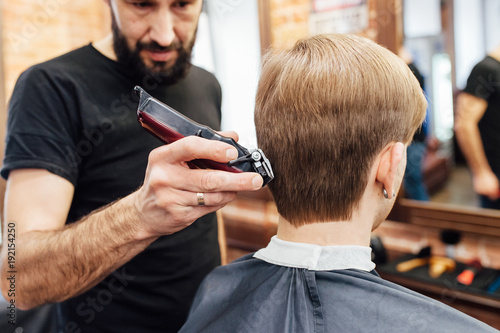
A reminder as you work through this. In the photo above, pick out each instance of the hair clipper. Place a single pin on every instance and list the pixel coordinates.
(169, 125)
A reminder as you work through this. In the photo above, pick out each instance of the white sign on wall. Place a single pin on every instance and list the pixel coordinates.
(338, 16)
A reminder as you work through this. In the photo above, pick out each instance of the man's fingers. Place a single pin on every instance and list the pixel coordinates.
(217, 181)
(192, 148)
(187, 199)
(177, 154)
(231, 134)
(208, 199)
(173, 192)
(208, 181)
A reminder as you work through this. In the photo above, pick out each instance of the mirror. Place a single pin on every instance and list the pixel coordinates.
(444, 50)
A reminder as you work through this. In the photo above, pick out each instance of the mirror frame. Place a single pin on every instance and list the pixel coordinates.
(473, 220)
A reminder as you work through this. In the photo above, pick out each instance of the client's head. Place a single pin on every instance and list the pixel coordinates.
(326, 109)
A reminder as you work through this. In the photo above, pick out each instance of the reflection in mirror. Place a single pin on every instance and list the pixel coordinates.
(444, 50)
(424, 40)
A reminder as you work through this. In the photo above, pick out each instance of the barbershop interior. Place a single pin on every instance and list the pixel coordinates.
(438, 240)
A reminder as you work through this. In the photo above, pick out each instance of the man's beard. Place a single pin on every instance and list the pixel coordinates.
(159, 70)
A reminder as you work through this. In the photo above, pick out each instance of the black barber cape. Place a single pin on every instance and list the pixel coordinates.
(296, 287)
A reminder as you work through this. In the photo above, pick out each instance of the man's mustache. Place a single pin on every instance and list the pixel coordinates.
(155, 47)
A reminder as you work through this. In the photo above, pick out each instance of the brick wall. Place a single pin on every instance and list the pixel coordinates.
(37, 30)
(289, 21)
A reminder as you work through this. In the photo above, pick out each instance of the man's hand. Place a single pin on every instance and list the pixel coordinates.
(167, 202)
(487, 184)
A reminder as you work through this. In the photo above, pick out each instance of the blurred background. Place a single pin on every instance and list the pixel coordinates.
(444, 39)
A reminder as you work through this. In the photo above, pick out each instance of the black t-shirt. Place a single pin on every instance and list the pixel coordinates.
(75, 116)
(484, 82)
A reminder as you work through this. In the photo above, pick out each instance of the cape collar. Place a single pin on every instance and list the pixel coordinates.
(316, 257)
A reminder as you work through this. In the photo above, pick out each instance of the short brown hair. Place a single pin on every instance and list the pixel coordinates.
(324, 109)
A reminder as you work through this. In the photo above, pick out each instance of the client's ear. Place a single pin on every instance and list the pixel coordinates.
(390, 159)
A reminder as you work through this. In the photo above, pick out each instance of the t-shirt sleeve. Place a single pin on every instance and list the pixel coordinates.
(481, 81)
(42, 127)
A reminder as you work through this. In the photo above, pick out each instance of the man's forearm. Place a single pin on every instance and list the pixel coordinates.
(469, 139)
(55, 265)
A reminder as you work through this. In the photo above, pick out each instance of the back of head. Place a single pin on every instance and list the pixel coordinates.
(324, 109)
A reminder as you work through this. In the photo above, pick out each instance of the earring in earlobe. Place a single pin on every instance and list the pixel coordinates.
(386, 195)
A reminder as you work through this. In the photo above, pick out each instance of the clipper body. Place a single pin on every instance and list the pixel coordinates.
(168, 125)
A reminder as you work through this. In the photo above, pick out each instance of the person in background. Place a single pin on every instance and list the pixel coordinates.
(477, 128)
(103, 213)
(334, 114)
(413, 184)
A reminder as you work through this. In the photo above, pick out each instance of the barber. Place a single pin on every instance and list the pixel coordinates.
(477, 128)
(109, 223)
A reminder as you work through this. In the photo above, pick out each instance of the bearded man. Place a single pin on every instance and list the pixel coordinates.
(103, 214)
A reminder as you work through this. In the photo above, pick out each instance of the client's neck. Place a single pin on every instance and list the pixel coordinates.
(354, 232)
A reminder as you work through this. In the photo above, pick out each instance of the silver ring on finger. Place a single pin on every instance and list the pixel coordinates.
(201, 199)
